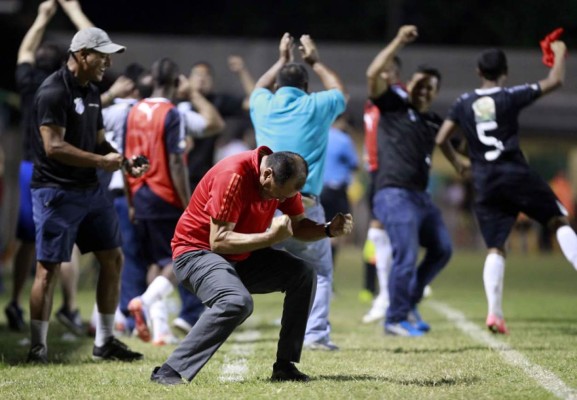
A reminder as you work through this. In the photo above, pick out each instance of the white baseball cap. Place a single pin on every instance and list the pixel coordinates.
(94, 39)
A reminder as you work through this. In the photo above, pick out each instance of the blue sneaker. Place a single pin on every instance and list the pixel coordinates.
(415, 318)
(402, 328)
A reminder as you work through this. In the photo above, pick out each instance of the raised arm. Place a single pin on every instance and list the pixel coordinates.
(74, 11)
(33, 37)
(310, 55)
(377, 81)
(556, 75)
(214, 121)
(285, 55)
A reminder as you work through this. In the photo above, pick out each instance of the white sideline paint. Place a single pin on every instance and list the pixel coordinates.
(235, 365)
(545, 378)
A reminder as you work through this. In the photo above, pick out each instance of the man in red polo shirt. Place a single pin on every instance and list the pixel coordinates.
(222, 253)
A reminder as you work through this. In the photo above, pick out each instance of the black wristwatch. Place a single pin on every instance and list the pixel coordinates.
(328, 230)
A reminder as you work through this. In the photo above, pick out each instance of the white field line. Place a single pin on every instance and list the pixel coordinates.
(545, 378)
(235, 365)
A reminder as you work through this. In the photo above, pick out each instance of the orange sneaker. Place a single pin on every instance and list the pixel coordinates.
(496, 324)
(138, 312)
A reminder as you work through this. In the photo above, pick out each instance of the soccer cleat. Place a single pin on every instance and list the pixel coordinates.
(139, 313)
(15, 317)
(166, 376)
(402, 328)
(181, 325)
(114, 350)
(322, 346)
(286, 372)
(71, 320)
(414, 318)
(38, 354)
(496, 324)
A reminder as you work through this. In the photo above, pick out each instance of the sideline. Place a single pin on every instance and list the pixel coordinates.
(545, 378)
(235, 365)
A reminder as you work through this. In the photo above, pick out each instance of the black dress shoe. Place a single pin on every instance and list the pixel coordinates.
(287, 372)
(166, 376)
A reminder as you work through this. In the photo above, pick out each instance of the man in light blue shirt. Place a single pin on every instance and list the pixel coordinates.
(287, 118)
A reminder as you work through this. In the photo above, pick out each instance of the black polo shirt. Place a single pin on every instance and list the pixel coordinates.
(405, 142)
(61, 101)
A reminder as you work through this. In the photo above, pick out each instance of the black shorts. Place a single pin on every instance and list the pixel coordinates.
(154, 237)
(335, 201)
(502, 192)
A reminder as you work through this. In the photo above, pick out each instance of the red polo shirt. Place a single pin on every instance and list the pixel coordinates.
(230, 191)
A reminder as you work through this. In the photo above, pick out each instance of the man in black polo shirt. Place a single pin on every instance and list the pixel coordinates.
(69, 205)
(404, 149)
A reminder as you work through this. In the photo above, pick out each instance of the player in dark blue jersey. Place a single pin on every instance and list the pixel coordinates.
(503, 182)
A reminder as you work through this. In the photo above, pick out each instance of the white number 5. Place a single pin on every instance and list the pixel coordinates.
(482, 129)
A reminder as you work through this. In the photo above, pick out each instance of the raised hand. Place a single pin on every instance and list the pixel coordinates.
(308, 50)
(47, 8)
(407, 33)
(286, 47)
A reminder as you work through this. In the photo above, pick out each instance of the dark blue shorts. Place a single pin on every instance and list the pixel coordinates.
(502, 193)
(154, 237)
(25, 230)
(66, 216)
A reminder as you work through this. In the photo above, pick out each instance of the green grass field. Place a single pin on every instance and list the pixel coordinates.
(456, 360)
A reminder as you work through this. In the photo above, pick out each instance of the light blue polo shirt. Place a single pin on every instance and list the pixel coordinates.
(293, 120)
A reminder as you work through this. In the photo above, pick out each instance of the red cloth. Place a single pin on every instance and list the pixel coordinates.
(548, 56)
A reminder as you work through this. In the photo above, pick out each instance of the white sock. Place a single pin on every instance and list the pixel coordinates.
(493, 277)
(38, 332)
(383, 256)
(94, 317)
(158, 289)
(159, 318)
(568, 242)
(104, 328)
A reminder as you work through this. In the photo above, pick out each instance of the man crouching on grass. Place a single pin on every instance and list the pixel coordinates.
(222, 253)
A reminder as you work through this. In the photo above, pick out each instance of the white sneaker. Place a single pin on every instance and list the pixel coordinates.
(377, 311)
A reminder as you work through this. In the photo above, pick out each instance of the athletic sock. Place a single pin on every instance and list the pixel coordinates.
(159, 318)
(383, 258)
(158, 289)
(104, 328)
(38, 332)
(568, 242)
(493, 277)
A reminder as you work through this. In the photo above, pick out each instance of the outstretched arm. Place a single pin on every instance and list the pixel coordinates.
(33, 37)
(74, 11)
(556, 75)
(285, 56)
(310, 55)
(376, 72)
(236, 65)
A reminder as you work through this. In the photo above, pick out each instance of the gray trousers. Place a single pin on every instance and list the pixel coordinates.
(226, 289)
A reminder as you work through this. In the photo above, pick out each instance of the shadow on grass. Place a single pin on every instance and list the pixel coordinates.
(421, 382)
(14, 347)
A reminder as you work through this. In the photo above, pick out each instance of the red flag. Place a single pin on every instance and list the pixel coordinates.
(548, 56)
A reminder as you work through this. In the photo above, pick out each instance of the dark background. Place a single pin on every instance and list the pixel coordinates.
(507, 23)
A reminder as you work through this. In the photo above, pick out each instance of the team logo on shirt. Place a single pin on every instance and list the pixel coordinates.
(78, 106)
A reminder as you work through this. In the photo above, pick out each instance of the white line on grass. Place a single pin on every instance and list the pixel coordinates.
(235, 365)
(542, 376)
